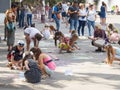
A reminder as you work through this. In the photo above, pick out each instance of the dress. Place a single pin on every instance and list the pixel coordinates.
(34, 74)
(103, 12)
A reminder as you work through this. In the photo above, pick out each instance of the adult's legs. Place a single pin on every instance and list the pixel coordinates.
(57, 21)
(89, 27)
(75, 24)
(99, 46)
(93, 24)
(83, 26)
(36, 43)
(71, 25)
(79, 26)
(27, 43)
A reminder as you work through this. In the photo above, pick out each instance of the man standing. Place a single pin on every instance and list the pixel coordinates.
(73, 13)
(56, 14)
(9, 21)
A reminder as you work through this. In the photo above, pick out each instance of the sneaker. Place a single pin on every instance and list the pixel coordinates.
(98, 50)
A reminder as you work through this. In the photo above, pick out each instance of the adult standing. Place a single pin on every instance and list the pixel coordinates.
(73, 12)
(103, 10)
(82, 19)
(64, 9)
(10, 26)
(21, 16)
(91, 18)
(29, 15)
(56, 14)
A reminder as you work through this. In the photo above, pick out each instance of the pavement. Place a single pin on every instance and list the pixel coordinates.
(81, 70)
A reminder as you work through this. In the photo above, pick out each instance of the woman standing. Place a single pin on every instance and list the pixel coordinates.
(82, 19)
(91, 17)
(103, 10)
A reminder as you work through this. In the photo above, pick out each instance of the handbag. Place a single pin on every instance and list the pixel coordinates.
(58, 15)
(100, 41)
(99, 13)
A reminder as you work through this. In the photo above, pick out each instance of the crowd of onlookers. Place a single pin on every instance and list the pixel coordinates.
(38, 64)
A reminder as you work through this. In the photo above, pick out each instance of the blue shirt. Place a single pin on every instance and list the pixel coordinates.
(55, 10)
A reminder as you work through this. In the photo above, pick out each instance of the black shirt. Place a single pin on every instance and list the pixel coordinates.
(16, 53)
(73, 15)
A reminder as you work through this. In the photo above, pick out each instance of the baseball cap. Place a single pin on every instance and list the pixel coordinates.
(21, 43)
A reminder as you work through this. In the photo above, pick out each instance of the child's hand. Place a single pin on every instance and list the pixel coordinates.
(78, 48)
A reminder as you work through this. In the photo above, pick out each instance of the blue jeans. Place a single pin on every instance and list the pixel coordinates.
(81, 24)
(57, 21)
(29, 19)
(73, 24)
(90, 23)
(21, 20)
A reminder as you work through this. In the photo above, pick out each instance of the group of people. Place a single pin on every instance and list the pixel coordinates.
(38, 64)
(34, 62)
(77, 15)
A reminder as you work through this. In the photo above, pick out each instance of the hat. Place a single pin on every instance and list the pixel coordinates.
(20, 43)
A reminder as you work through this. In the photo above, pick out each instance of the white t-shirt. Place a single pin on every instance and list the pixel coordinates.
(31, 31)
(82, 13)
(91, 15)
(64, 7)
(46, 33)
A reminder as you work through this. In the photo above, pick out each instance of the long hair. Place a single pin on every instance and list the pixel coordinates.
(52, 28)
(109, 50)
(73, 38)
(36, 51)
(111, 27)
(57, 36)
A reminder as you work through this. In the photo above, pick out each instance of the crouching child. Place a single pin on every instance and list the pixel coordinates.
(32, 71)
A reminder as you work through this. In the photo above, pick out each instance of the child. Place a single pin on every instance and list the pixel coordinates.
(68, 44)
(45, 62)
(52, 29)
(57, 37)
(113, 53)
(46, 31)
(15, 55)
(113, 34)
(32, 73)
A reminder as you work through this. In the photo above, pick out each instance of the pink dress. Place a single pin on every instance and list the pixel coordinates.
(51, 65)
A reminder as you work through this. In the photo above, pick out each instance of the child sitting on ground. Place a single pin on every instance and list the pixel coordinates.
(113, 53)
(68, 44)
(32, 71)
(15, 55)
(113, 35)
(57, 37)
(46, 31)
(52, 30)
